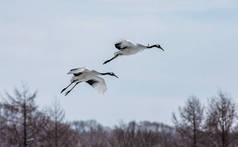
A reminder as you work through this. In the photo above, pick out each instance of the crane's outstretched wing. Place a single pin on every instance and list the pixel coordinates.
(98, 83)
(123, 44)
(78, 71)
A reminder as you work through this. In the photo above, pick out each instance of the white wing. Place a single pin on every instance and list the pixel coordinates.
(127, 43)
(98, 83)
(124, 44)
(78, 70)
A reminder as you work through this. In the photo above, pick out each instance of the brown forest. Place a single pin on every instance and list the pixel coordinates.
(24, 124)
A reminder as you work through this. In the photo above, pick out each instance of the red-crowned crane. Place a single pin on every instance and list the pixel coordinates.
(89, 76)
(127, 47)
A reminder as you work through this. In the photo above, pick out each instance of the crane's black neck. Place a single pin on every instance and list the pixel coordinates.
(106, 73)
(109, 73)
(151, 46)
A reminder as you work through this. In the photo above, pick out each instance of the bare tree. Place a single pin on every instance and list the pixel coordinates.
(57, 132)
(91, 133)
(57, 115)
(221, 117)
(54, 126)
(22, 124)
(20, 108)
(3, 125)
(143, 134)
(189, 125)
(22, 118)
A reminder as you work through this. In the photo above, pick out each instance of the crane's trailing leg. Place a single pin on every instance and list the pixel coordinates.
(111, 59)
(71, 89)
(66, 87)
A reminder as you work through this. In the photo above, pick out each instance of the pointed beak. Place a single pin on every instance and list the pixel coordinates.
(116, 76)
(161, 48)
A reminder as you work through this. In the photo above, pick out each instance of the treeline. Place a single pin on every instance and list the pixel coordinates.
(24, 124)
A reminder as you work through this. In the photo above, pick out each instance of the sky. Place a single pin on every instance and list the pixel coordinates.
(41, 41)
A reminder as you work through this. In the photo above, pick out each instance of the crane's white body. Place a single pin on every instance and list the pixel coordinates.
(127, 47)
(84, 75)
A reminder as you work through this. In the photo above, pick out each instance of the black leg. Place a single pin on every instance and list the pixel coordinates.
(111, 59)
(66, 87)
(71, 88)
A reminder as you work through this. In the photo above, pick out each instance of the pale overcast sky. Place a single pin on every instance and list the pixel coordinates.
(41, 40)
